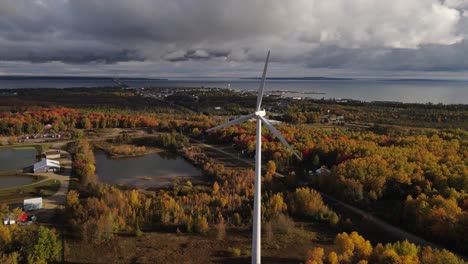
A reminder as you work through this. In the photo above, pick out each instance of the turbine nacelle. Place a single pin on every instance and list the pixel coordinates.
(260, 113)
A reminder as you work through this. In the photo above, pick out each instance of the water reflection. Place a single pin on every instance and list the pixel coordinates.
(145, 171)
(13, 181)
(16, 159)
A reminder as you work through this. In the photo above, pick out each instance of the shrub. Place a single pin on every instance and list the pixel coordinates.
(201, 225)
(234, 252)
(282, 224)
(236, 219)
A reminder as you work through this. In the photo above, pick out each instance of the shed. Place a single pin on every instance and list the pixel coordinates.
(46, 165)
(9, 221)
(32, 204)
(52, 154)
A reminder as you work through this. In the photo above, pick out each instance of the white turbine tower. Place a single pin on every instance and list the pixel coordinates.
(259, 115)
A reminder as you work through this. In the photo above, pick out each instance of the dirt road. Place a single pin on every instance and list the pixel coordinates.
(58, 199)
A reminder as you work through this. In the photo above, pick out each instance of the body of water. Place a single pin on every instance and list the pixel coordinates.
(16, 159)
(12, 181)
(150, 170)
(408, 91)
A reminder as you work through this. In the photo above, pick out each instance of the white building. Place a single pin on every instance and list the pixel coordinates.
(46, 165)
(32, 204)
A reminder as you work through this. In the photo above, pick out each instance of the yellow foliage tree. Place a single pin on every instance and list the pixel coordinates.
(333, 258)
(315, 255)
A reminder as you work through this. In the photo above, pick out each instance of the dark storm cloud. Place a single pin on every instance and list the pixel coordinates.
(426, 58)
(421, 35)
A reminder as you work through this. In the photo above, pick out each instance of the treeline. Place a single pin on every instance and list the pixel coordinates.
(403, 114)
(215, 101)
(172, 140)
(84, 164)
(353, 248)
(101, 98)
(63, 119)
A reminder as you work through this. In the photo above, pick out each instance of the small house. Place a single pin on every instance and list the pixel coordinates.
(32, 204)
(52, 154)
(9, 221)
(46, 165)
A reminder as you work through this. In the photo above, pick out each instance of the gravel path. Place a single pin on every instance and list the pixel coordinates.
(59, 198)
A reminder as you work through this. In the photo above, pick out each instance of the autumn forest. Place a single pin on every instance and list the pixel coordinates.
(405, 164)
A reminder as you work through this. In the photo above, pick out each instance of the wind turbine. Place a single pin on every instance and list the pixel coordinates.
(259, 114)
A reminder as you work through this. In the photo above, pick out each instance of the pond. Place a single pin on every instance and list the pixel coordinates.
(17, 158)
(150, 170)
(13, 181)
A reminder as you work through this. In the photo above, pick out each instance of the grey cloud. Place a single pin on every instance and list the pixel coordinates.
(198, 54)
(427, 58)
(425, 35)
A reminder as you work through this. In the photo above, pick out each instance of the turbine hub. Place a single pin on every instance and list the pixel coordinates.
(260, 113)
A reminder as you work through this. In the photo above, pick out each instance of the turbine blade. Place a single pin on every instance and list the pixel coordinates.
(262, 84)
(279, 136)
(232, 122)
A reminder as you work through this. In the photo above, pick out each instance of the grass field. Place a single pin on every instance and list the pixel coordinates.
(39, 147)
(172, 247)
(17, 194)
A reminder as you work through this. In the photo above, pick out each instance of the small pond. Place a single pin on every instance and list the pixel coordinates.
(17, 158)
(150, 170)
(13, 181)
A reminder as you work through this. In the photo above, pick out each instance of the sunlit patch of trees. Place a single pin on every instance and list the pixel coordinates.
(63, 119)
(420, 176)
(353, 248)
(128, 150)
(370, 169)
(96, 212)
(19, 244)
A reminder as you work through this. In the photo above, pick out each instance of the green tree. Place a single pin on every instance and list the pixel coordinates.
(316, 160)
(44, 247)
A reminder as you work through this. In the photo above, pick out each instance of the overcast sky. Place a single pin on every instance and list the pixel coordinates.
(230, 38)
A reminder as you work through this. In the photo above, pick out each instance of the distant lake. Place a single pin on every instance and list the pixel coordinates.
(154, 169)
(409, 91)
(16, 159)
